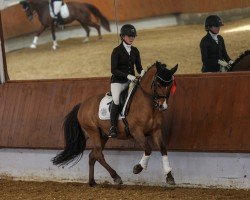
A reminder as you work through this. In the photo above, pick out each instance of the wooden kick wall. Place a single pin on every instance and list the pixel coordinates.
(209, 112)
(15, 22)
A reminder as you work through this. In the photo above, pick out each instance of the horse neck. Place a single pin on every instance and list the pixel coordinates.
(144, 92)
(242, 63)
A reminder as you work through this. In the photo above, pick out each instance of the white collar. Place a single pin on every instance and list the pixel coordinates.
(214, 36)
(127, 47)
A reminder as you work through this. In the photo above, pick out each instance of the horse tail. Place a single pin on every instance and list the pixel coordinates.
(75, 141)
(95, 11)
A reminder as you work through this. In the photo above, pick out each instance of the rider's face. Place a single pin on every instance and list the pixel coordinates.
(128, 39)
(215, 29)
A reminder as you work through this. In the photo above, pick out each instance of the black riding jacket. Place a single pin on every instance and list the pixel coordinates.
(122, 63)
(211, 52)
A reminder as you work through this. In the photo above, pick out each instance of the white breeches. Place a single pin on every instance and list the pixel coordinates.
(57, 6)
(116, 90)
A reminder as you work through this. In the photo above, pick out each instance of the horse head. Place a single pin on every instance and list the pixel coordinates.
(162, 83)
(27, 9)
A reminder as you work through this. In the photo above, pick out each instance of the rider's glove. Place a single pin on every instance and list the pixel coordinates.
(131, 77)
(142, 73)
(222, 63)
(231, 62)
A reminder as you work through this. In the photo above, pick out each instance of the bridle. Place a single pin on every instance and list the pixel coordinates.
(155, 83)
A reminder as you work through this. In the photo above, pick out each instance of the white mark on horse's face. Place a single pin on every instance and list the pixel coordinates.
(163, 106)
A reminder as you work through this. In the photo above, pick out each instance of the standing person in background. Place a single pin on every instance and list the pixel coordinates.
(56, 8)
(212, 46)
(123, 59)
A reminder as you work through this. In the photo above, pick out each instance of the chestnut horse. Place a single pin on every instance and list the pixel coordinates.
(145, 119)
(242, 63)
(81, 12)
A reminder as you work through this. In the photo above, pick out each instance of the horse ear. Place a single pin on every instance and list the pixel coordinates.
(174, 69)
(158, 65)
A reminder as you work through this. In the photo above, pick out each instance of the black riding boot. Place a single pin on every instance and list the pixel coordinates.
(59, 19)
(113, 132)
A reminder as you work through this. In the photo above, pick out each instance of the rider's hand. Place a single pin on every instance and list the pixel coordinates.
(222, 63)
(142, 73)
(131, 77)
(231, 62)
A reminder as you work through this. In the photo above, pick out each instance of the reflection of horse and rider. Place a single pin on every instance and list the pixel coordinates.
(64, 13)
(213, 50)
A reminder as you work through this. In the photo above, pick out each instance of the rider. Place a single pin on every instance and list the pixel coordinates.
(212, 46)
(56, 8)
(123, 59)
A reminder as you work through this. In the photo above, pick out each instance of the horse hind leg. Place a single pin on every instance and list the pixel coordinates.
(97, 155)
(96, 26)
(92, 162)
(39, 32)
(87, 29)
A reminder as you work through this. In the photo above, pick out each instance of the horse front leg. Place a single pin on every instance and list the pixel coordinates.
(143, 142)
(39, 32)
(157, 137)
(55, 44)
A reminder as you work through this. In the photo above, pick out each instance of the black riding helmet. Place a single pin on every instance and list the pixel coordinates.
(213, 20)
(128, 30)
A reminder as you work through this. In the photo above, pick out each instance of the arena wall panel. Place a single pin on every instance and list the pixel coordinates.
(209, 112)
(15, 22)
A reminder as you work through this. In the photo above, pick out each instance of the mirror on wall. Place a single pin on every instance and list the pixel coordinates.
(168, 31)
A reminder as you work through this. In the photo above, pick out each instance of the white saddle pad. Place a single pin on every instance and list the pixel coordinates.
(104, 105)
(104, 113)
(64, 11)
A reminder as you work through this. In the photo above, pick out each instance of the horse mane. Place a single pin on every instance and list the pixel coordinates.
(247, 52)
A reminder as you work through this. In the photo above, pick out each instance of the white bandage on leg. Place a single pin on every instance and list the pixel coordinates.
(35, 40)
(166, 166)
(144, 161)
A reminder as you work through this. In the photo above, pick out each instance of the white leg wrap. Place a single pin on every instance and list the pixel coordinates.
(54, 45)
(166, 166)
(33, 44)
(144, 161)
(35, 40)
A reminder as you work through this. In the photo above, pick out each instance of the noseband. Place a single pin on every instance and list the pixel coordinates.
(164, 83)
(156, 95)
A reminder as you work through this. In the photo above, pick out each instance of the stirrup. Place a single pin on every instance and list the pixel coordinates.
(113, 132)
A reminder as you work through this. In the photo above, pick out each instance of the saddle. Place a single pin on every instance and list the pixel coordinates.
(125, 101)
(64, 12)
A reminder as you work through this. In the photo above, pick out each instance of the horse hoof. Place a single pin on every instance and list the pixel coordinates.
(118, 180)
(92, 183)
(137, 169)
(33, 46)
(170, 179)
